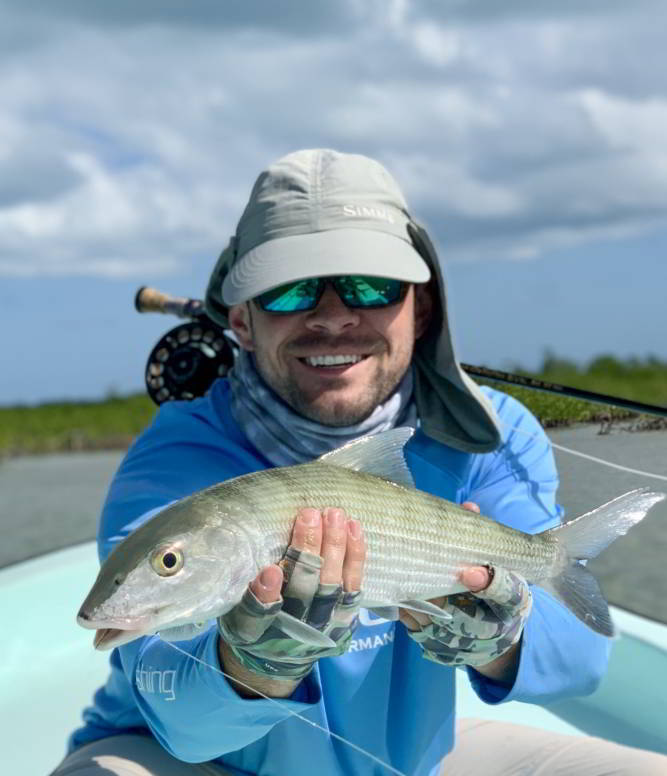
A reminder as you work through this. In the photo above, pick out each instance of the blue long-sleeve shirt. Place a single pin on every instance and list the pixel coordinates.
(381, 694)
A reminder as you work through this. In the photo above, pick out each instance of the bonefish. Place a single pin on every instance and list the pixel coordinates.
(192, 561)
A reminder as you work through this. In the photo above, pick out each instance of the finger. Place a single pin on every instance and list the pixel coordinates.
(507, 590)
(301, 572)
(307, 531)
(407, 618)
(475, 578)
(334, 544)
(266, 585)
(355, 557)
(471, 506)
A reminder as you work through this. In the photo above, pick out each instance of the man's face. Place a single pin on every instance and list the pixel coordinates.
(379, 343)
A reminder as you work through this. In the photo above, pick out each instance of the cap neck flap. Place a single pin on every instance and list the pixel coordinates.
(451, 407)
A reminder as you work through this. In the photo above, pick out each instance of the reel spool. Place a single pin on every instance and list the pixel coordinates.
(186, 360)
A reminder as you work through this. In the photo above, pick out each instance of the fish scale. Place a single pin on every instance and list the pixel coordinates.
(417, 539)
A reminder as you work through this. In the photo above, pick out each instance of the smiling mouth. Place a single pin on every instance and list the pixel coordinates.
(330, 361)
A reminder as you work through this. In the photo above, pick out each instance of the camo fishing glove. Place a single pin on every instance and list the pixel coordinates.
(254, 630)
(483, 626)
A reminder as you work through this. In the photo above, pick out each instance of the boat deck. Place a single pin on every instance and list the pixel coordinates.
(49, 671)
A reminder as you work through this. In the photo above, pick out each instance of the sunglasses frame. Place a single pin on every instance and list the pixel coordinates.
(334, 280)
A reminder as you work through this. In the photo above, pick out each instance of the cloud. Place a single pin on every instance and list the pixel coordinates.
(132, 132)
(490, 11)
(294, 17)
(291, 16)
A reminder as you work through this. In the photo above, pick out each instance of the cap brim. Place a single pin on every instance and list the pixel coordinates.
(317, 254)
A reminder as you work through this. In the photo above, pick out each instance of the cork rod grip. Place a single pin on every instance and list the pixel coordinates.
(150, 300)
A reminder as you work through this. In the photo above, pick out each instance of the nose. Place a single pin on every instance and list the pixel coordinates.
(331, 314)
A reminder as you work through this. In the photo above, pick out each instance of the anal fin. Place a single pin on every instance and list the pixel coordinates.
(388, 610)
(425, 607)
(577, 589)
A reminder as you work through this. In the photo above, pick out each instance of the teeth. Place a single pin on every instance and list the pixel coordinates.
(332, 360)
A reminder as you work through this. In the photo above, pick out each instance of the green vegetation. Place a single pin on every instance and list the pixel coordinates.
(644, 381)
(113, 423)
(108, 424)
(633, 379)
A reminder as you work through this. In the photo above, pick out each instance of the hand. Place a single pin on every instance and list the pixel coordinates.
(484, 629)
(320, 578)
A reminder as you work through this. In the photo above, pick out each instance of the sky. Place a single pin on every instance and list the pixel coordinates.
(529, 136)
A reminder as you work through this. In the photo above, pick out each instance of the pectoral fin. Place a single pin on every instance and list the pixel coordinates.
(301, 631)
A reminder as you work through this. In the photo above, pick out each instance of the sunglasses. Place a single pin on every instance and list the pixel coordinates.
(357, 291)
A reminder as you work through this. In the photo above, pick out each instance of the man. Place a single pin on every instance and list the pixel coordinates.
(338, 304)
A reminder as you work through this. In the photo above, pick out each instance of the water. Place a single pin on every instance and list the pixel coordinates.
(631, 571)
(49, 502)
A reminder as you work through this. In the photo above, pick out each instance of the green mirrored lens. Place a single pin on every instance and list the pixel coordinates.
(291, 297)
(354, 291)
(368, 291)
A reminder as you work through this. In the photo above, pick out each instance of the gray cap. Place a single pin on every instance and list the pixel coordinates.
(317, 213)
(320, 213)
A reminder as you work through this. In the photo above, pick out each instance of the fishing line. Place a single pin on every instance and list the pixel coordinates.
(588, 457)
(608, 463)
(296, 714)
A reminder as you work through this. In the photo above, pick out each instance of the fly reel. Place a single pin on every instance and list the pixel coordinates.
(187, 359)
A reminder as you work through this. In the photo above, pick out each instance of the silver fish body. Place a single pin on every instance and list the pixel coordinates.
(193, 561)
(417, 543)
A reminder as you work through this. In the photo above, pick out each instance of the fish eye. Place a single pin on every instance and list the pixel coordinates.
(167, 561)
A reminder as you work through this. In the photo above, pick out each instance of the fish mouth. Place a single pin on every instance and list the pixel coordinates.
(108, 638)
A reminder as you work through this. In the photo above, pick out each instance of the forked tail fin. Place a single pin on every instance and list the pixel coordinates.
(585, 537)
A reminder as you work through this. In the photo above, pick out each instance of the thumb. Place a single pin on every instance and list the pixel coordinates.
(476, 578)
(506, 589)
(267, 584)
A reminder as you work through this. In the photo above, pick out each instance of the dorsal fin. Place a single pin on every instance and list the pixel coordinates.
(378, 454)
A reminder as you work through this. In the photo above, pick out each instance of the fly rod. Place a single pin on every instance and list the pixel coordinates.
(525, 381)
(152, 300)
